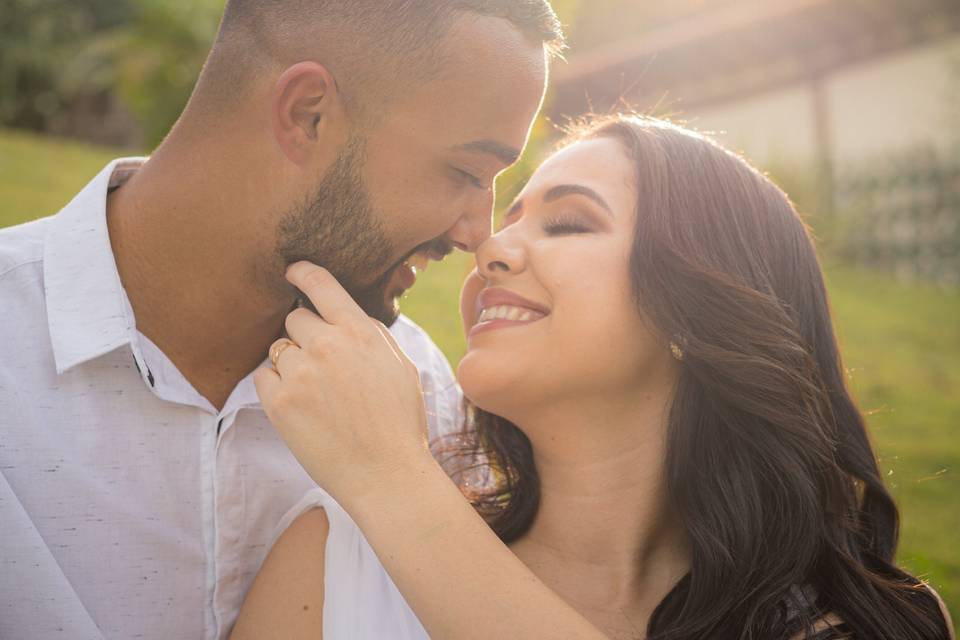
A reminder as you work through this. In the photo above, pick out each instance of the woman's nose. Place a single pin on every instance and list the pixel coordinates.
(500, 255)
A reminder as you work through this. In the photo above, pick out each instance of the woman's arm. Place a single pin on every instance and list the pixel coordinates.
(347, 402)
(286, 599)
(459, 578)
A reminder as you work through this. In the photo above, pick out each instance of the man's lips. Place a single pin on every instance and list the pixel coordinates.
(419, 258)
(407, 269)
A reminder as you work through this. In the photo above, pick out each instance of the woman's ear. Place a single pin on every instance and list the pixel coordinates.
(307, 115)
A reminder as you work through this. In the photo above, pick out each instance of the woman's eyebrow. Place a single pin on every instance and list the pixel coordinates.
(562, 190)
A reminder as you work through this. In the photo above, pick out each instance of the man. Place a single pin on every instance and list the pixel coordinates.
(140, 478)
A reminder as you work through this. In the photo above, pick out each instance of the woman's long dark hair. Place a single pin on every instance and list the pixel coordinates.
(768, 461)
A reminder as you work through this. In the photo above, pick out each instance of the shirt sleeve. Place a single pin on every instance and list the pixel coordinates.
(441, 393)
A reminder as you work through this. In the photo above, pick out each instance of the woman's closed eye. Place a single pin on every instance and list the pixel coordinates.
(565, 224)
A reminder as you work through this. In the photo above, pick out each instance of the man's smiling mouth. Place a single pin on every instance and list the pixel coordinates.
(408, 269)
(417, 262)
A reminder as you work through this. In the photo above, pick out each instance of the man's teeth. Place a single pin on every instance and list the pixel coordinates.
(418, 261)
(506, 312)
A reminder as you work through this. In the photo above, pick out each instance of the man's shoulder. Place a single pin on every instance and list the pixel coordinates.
(407, 328)
(22, 296)
(21, 245)
(418, 346)
(441, 392)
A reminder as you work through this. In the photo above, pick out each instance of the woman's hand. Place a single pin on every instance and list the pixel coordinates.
(343, 396)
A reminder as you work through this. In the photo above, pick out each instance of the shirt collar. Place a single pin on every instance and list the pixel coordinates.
(86, 304)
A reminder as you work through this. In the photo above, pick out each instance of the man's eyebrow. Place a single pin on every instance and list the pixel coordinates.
(505, 154)
(562, 190)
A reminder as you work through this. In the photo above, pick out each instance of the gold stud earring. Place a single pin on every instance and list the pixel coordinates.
(676, 350)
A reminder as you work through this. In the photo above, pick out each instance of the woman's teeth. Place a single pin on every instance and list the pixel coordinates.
(506, 312)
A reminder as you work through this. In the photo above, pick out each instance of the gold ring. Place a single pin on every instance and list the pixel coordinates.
(277, 350)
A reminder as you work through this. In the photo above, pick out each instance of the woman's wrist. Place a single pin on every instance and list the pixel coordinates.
(444, 559)
(401, 481)
(414, 493)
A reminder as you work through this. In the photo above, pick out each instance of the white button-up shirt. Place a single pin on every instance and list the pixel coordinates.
(129, 506)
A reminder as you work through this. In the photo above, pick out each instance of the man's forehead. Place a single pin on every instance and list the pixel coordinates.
(490, 58)
(483, 106)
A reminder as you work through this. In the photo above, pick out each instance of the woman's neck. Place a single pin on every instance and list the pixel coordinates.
(604, 537)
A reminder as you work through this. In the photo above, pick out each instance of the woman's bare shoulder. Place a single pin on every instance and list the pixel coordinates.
(946, 612)
(286, 599)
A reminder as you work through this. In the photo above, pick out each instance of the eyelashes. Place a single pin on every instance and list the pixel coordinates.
(471, 179)
(564, 225)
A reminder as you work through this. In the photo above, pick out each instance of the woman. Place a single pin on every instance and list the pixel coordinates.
(655, 382)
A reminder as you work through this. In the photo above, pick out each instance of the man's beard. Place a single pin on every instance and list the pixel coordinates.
(338, 228)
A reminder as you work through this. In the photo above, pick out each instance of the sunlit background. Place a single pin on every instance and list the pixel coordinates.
(853, 106)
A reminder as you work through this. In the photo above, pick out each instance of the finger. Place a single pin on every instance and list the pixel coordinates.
(327, 295)
(394, 345)
(302, 325)
(387, 336)
(267, 382)
(289, 353)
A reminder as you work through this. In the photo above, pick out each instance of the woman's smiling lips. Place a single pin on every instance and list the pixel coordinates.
(497, 307)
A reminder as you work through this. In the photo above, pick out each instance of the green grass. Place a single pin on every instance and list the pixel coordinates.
(901, 344)
(902, 347)
(38, 176)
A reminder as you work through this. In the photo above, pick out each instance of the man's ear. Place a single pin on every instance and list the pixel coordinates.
(309, 122)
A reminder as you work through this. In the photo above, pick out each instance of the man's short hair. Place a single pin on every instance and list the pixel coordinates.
(366, 42)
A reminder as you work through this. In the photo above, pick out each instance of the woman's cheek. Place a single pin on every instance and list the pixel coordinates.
(468, 300)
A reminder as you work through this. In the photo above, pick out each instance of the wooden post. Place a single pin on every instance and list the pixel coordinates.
(823, 140)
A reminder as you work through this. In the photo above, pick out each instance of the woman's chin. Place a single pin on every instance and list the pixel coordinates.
(487, 386)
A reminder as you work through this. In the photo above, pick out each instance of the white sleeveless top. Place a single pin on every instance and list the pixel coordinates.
(360, 600)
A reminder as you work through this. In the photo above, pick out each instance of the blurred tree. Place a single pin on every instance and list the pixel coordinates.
(37, 38)
(151, 61)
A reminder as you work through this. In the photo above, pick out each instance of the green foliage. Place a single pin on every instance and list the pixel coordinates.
(37, 39)
(147, 52)
(151, 61)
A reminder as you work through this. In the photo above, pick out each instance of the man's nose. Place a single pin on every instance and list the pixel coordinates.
(473, 227)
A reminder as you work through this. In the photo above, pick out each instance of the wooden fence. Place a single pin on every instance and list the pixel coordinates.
(901, 214)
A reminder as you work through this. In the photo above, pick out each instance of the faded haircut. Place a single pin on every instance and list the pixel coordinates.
(366, 44)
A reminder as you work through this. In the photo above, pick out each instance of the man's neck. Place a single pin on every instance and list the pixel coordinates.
(195, 288)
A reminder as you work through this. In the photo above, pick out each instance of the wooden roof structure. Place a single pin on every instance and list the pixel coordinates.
(742, 48)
